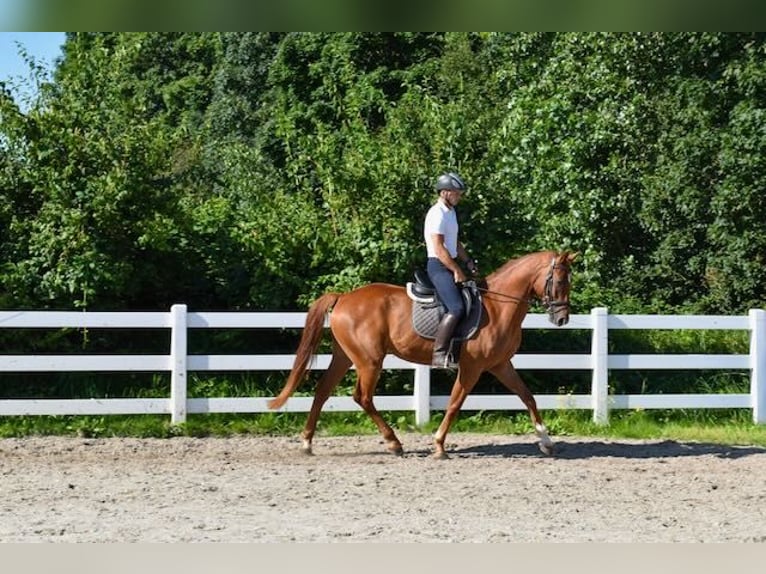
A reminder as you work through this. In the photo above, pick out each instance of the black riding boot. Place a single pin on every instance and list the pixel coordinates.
(441, 357)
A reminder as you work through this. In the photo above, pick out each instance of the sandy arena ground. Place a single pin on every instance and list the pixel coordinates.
(493, 489)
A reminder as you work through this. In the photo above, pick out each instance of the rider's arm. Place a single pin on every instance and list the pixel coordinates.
(462, 254)
(446, 258)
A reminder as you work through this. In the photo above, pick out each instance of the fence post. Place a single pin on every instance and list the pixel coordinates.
(599, 364)
(758, 364)
(422, 392)
(178, 350)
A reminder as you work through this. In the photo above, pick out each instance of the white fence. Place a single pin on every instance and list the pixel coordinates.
(178, 363)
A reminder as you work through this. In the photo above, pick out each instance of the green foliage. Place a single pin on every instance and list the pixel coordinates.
(257, 170)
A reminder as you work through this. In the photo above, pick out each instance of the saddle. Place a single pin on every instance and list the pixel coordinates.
(428, 310)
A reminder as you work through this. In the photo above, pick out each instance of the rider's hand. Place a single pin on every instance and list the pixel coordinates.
(459, 276)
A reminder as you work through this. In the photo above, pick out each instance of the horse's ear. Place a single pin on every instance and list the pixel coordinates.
(572, 256)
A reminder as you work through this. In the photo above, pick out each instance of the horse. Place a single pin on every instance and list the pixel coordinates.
(375, 320)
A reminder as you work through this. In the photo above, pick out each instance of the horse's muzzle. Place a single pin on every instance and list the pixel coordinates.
(558, 313)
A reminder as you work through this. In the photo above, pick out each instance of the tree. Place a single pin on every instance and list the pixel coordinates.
(100, 160)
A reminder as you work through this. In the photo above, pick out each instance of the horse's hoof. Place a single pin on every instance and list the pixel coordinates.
(396, 450)
(547, 450)
(441, 455)
(307, 451)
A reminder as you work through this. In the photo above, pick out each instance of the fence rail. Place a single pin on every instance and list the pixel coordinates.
(179, 363)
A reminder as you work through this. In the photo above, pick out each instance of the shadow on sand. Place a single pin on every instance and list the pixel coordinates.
(583, 449)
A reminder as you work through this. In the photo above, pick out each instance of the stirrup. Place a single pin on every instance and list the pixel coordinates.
(443, 361)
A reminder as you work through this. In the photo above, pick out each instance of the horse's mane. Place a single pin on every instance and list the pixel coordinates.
(510, 265)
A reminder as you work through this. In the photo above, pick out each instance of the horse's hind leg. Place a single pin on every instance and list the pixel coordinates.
(507, 375)
(367, 379)
(339, 366)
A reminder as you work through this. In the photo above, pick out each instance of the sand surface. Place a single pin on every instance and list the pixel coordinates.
(493, 489)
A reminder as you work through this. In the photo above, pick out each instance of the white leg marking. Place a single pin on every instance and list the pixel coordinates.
(542, 432)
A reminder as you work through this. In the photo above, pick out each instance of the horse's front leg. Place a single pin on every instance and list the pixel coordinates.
(508, 376)
(460, 390)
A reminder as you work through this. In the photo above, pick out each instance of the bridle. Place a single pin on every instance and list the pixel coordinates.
(551, 305)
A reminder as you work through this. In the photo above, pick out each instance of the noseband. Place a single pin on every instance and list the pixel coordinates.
(550, 304)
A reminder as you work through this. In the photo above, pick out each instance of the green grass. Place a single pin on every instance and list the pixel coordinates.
(727, 426)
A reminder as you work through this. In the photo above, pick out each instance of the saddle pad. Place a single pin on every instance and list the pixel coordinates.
(427, 316)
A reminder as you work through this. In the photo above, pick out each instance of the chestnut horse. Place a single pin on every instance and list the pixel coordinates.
(375, 320)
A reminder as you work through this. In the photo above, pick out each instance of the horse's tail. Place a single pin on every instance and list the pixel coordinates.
(312, 335)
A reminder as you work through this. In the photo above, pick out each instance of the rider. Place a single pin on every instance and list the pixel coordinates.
(444, 248)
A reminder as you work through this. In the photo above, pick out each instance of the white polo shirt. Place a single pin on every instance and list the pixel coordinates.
(442, 220)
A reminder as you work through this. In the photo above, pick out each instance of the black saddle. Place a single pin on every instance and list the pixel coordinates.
(428, 310)
(423, 285)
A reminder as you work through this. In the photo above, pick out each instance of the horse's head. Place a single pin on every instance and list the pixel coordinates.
(555, 290)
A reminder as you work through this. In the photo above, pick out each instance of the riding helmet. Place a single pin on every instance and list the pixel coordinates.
(450, 180)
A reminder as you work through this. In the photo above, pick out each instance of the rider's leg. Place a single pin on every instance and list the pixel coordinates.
(449, 295)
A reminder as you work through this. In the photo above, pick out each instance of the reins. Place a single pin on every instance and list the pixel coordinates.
(545, 300)
(511, 298)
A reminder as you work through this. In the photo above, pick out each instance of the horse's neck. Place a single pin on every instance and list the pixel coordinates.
(518, 280)
(517, 283)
